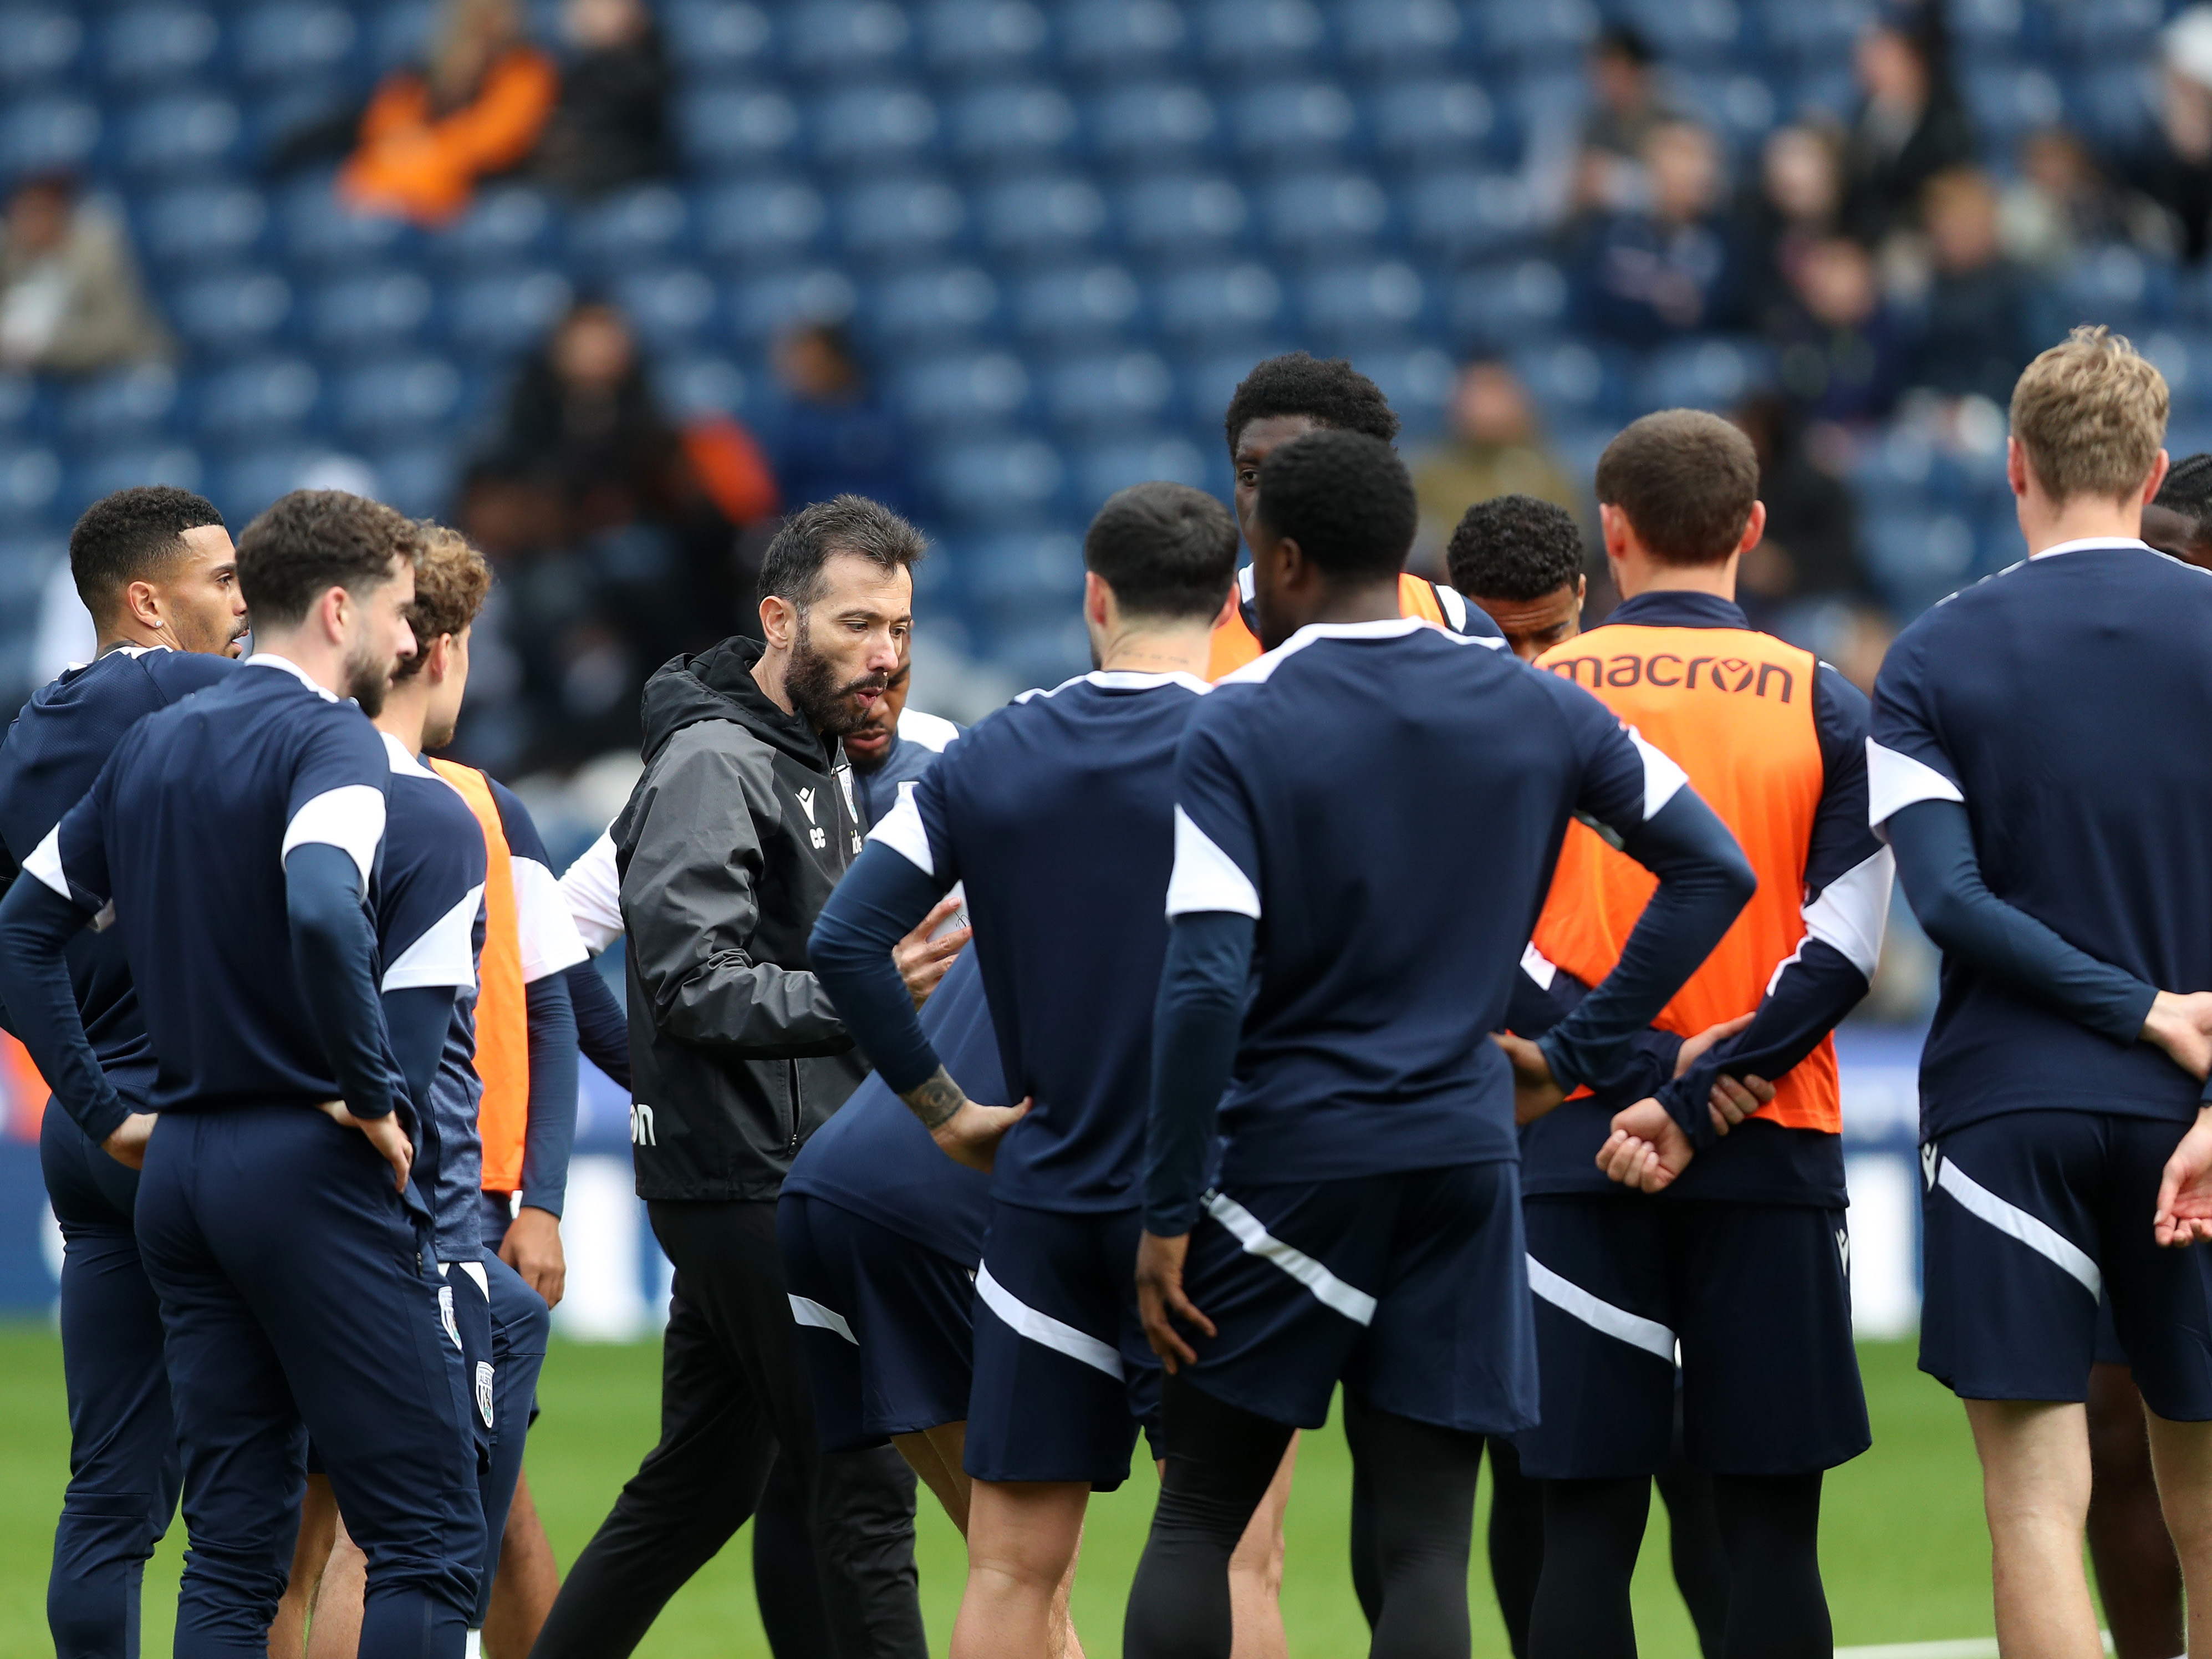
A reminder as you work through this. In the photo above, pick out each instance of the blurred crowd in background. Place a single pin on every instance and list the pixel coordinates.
(612, 287)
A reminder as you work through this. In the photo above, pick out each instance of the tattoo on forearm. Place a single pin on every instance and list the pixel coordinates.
(936, 1100)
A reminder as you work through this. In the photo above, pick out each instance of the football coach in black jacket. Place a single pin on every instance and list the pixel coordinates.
(740, 825)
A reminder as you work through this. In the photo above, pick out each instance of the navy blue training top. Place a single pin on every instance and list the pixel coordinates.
(2064, 703)
(1312, 795)
(1058, 814)
(874, 1158)
(185, 831)
(49, 759)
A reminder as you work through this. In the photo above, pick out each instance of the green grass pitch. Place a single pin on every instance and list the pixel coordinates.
(1904, 1553)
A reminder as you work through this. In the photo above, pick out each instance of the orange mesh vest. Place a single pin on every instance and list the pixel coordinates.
(502, 1016)
(1234, 643)
(1734, 709)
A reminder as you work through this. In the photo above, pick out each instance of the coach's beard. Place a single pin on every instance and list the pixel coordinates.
(368, 677)
(811, 683)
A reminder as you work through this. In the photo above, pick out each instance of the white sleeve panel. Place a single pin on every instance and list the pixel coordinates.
(1895, 781)
(1538, 966)
(593, 890)
(46, 864)
(1206, 877)
(545, 932)
(350, 818)
(444, 955)
(1852, 911)
(902, 832)
(1661, 777)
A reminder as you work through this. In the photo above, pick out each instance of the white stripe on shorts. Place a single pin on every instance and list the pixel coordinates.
(805, 1311)
(2040, 1236)
(1572, 1300)
(1333, 1292)
(1043, 1330)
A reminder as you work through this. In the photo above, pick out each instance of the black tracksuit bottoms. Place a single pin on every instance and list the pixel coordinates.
(735, 1397)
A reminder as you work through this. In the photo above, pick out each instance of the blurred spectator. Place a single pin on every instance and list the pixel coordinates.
(1844, 351)
(474, 109)
(611, 127)
(1810, 552)
(2173, 166)
(1495, 449)
(1792, 211)
(831, 435)
(1911, 127)
(71, 301)
(2060, 204)
(1648, 276)
(1979, 329)
(1629, 105)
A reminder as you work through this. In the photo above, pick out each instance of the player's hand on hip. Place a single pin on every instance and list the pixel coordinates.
(2181, 1025)
(1693, 1048)
(1735, 1098)
(1535, 1092)
(127, 1145)
(2184, 1192)
(971, 1135)
(384, 1133)
(923, 961)
(1161, 1302)
(533, 1248)
(1647, 1149)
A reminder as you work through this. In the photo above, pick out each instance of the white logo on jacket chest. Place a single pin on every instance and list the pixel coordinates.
(815, 835)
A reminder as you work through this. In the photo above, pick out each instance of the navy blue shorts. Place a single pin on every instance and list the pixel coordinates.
(1411, 1288)
(2031, 1217)
(885, 1324)
(1063, 1373)
(1758, 1297)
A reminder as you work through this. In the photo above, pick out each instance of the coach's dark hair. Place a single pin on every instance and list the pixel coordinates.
(2188, 490)
(1167, 551)
(1514, 547)
(792, 568)
(305, 544)
(133, 536)
(1346, 499)
(1330, 391)
(1686, 480)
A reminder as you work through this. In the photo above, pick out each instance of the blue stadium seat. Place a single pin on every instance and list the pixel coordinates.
(1102, 469)
(1383, 298)
(1687, 30)
(1553, 31)
(922, 307)
(1502, 305)
(399, 32)
(872, 127)
(2119, 285)
(734, 129)
(318, 230)
(1470, 213)
(1035, 570)
(1572, 381)
(121, 405)
(158, 44)
(1418, 379)
(1049, 215)
(396, 400)
(294, 39)
(901, 218)
(1204, 302)
(760, 219)
(1076, 303)
(1431, 120)
(38, 45)
(761, 307)
(2112, 103)
(30, 480)
(1261, 36)
(369, 313)
(1987, 26)
(983, 37)
(1715, 373)
(187, 133)
(1019, 122)
(1209, 382)
(1293, 119)
(1183, 210)
(1115, 390)
(1399, 34)
(695, 386)
(268, 397)
(1546, 100)
(1316, 212)
(1114, 37)
(2185, 360)
(418, 479)
(964, 390)
(48, 131)
(2113, 29)
(843, 38)
(669, 306)
(249, 479)
(2009, 99)
(1816, 30)
(236, 312)
(717, 37)
(194, 224)
(647, 223)
(1741, 107)
(506, 225)
(998, 480)
(22, 411)
(1153, 118)
(1043, 653)
(493, 316)
(108, 470)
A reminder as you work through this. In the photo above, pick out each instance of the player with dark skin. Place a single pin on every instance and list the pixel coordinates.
(195, 606)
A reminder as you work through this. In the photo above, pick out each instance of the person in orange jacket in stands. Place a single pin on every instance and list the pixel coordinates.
(475, 108)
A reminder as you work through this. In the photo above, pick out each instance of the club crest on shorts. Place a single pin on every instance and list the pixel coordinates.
(484, 1391)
